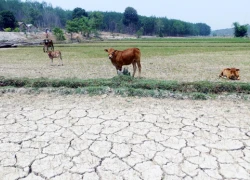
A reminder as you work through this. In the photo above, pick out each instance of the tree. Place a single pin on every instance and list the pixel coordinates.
(204, 29)
(178, 27)
(240, 30)
(85, 26)
(59, 34)
(130, 16)
(72, 27)
(112, 22)
(97, 19)
(63, 15)
(35, 15)
(78, 13)
(130, 19)
(7, 20)
(148, 24)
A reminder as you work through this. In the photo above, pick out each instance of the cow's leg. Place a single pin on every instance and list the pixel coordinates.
(119, 69)
(43, 49)
(51, 62)
(134, 68)
(61, 61)
(139, 67)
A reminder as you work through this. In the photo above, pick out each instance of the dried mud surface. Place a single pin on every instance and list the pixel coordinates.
(103, 137)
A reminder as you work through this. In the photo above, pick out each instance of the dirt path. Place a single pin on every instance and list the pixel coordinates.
(104, 137)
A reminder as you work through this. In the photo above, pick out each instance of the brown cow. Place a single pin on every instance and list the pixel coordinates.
(55, 54)
(47, 43)
(125, 57)
(230, 73)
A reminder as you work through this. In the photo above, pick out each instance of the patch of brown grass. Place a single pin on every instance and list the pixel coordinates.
(90, 61)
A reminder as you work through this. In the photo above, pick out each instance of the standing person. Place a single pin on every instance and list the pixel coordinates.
(47, 34)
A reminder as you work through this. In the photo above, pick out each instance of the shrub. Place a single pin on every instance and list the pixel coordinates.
(59, 34)
(16, 29)
(199, 96)
(7, 30)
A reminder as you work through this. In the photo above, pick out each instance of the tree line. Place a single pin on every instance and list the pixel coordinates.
(43, 15)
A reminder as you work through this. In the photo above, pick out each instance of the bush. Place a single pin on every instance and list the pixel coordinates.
(129, 86)
(7, 30)
(59, 34)
(16, 29)
(240, 30)
(199, 96)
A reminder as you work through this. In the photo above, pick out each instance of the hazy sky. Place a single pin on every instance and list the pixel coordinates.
(218, 14)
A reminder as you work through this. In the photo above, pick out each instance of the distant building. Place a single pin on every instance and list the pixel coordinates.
(22, 26)
(31, 28)
(27, 27)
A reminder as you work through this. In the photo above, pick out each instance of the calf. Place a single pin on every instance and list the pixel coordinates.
(125, 57)
(230, 73)
(55, 54)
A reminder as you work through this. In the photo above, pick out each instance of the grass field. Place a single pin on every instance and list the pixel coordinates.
(186, 65)
(179, 59)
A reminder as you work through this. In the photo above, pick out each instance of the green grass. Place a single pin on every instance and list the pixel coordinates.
(126, 85)
(161, 46)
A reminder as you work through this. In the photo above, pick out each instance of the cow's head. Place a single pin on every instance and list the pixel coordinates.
(46, 41)
(49, 53)
(110, 52)
(234, 73)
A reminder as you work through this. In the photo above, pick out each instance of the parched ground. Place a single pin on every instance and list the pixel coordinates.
(49, 136)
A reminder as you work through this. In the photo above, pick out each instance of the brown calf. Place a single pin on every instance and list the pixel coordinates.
(55, 54)
(230, 73)
(125, 57)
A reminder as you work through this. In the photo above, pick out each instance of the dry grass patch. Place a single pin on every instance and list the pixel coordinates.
(163, 60)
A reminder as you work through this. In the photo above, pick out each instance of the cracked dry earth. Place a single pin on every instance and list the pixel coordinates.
(49, 136)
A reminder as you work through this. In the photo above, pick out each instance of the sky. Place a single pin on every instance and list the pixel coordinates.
(218, 14)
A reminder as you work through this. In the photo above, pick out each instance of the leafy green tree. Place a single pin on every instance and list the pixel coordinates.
(72, 27)
(85, 26)
(97, 20)
(191, 29)
(78, 13)
(178, 27)
(159, 27)
(112, 22)
(8, 20)
(59, 34)
(139, 32)
(148, 24)
(130, 19)
(3, 5)
(63, 15)
(165, 26)
(1, 22)
(130, 16)
(35, 15)
(204, 29)
(240, 30)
